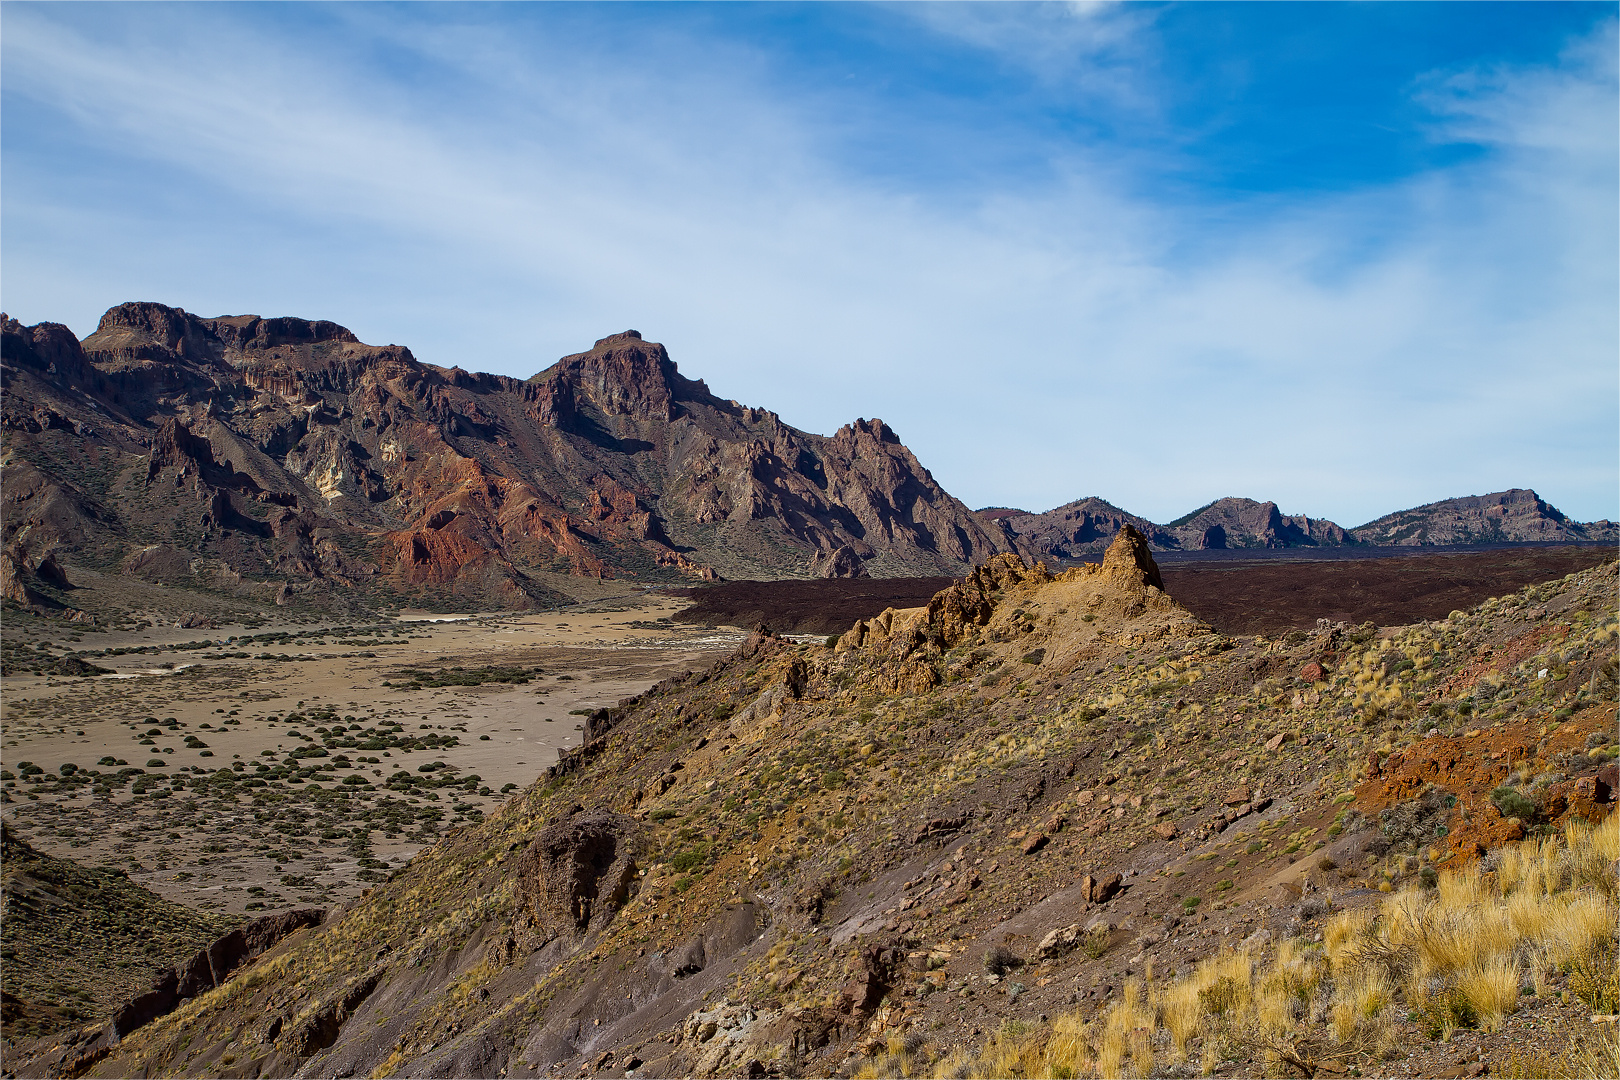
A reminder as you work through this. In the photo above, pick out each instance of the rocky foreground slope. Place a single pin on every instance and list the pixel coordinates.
(1085, 526)
(80, 941)
(981, 816)
(283, 459)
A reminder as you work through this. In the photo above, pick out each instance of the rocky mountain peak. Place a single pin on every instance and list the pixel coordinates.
(143, 330)
(623, 375)
(1515, 515)
(1130, 556)
(864, 430)
(251, 332)
(158, 321)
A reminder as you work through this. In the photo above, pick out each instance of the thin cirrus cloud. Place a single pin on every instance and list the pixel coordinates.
(1042, 309)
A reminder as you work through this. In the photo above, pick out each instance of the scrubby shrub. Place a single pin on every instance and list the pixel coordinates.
(1595, 979)
(998, 960)
(1512, 804)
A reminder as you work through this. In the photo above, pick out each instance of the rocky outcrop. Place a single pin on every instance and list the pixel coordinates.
(1074, 529)
(22, 577)
(1118, 601)
(1514, 516)
(578, 871)
(1239, 523)
(840, 563)
(211, 967)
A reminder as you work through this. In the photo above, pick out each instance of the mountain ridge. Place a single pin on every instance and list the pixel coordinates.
(262, 458)
(282, 460)
(1084, 526)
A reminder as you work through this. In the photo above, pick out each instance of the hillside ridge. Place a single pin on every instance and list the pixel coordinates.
(995, 808)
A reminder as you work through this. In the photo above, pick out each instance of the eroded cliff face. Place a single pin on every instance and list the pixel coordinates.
(285, 452)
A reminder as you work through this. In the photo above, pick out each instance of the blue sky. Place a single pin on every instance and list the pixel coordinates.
(1350, 258)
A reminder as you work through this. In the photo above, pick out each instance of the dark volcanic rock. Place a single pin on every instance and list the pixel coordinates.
(579, 870)
(1272, 597)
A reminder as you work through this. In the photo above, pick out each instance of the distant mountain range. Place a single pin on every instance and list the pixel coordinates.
(279, 458)
(284, 460)
(1086, 525)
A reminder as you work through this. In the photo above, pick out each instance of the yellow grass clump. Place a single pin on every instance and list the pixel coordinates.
(1456, 955)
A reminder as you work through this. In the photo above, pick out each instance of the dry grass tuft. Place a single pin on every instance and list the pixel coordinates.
(1492, 989)
(1455, 956)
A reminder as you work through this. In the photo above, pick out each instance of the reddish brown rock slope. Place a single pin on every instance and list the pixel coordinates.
(273, 456)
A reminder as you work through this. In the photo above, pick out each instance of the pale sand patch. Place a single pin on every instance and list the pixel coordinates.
(216, 858)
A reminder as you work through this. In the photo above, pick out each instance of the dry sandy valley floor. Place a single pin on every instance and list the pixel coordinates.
(299, 766)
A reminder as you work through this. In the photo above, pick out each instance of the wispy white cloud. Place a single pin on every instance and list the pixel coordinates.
(1344, 355)
(1098, 48)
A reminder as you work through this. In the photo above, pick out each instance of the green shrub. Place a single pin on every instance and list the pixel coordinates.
(1513, 804)
(690, 859)
(1595, 979)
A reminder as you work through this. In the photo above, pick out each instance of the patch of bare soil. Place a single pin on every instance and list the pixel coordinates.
(245, 772)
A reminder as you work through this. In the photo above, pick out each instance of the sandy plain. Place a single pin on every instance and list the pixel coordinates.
(181, 710)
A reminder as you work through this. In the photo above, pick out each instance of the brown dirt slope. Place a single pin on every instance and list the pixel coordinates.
(988, 809)
(78, 941)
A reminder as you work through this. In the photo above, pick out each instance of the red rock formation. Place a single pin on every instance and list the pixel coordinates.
(297, 449)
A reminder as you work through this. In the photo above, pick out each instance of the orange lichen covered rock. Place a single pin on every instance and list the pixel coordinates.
(1473, 765)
